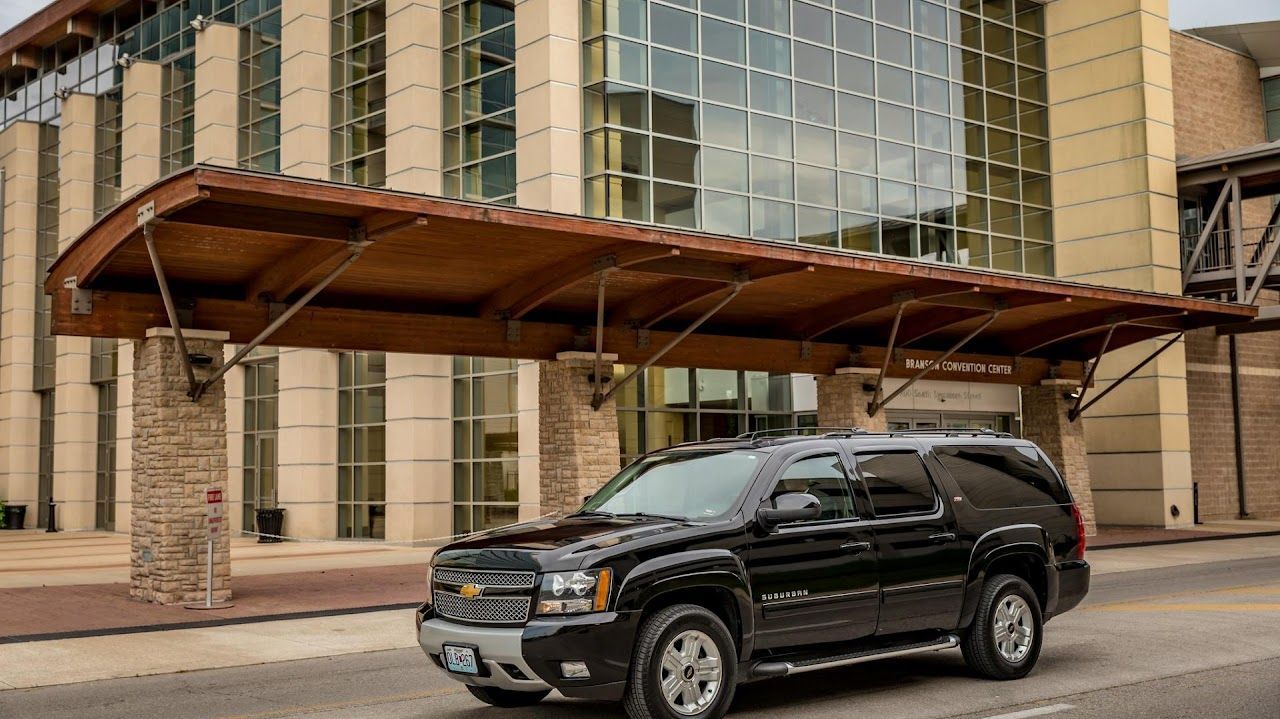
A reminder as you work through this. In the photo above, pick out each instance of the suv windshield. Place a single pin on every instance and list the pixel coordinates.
(698, 485)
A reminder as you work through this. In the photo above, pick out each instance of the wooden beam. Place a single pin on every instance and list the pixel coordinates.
(1026, 341)
(833, 315)
(83, 25)
(650, 308)
(27, 56)
(263, 221)
(129, 315)
(279, 280)
(693, 269)
(523, 296)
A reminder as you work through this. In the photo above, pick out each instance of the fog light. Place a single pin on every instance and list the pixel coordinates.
(574, 670)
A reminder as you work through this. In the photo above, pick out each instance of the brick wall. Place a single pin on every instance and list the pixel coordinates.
(842, 401)
(1044, 421)
(1217, 100)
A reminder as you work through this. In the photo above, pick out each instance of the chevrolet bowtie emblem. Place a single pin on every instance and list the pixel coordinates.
(471, 591)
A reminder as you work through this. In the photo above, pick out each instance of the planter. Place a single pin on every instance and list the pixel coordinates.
(270, 521)
(14, 516)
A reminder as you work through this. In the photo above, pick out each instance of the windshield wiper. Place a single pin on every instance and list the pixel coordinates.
(592, 513)
(650, 515)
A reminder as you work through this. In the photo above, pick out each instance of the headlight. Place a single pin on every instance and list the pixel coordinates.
(574, 592)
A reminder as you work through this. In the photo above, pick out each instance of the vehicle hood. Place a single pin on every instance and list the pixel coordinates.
(553, 544)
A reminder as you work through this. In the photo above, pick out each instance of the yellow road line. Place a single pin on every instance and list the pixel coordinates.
(1197, 607)
(352, 704)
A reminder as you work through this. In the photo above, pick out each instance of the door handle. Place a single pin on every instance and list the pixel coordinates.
(856, 547)
(943, 537)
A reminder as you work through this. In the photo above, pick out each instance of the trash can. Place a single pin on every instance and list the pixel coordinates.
(270, 521)
(14, 516)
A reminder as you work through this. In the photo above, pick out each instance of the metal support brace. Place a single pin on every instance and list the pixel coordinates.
(598, 402)
(197, 389)
(1209, 224)
(1093, 368)
(1271, 244)
(597, 377)
(888, 356)
(875, 406)
(148, 234)
(1073, 413)
(356, 248)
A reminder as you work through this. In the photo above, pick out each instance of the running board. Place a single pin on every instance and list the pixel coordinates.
(785, 668)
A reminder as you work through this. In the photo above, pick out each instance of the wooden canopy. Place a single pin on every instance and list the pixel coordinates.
(430, 275)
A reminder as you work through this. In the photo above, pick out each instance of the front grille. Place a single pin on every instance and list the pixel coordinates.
(482, 609)
(485, 578)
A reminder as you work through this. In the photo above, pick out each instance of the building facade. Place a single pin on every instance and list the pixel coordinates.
(1013, 135)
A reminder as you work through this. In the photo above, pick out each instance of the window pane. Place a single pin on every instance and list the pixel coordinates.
(816, 226)
(856, 113)
(724, 83)
(814, 64)
(673, 28)
(770, 93)
(723, 40)
(675, 205)
(1001, 477)
(857, 153)
(855, 74)
(675, 72)
(812, 23)
(815, 144)
(771, 135)
(724, 169)
(854, 34)
(897, 483)
(772, 178)
(824, 478)
(773, 220)
(725, 214)
(724, 126)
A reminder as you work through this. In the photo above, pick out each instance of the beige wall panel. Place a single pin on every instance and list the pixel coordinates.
(307, 441)
(217, 94)
(19, 406)
(140, 116)
(124, 435)
(548, 105)
(413, 96)
(527, 448)
(304, 88)
(1136, 433)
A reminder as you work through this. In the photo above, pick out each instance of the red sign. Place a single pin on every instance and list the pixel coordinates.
(213, 512)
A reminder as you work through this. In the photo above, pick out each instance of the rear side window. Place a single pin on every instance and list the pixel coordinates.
(898, 483)
(1003, 477)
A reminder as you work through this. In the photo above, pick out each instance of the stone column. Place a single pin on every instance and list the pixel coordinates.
(179, 451)
(419, 446)
(19, 405)
(307, 442)
(75, 426)
(843, 399)
(217, 94)
(1115, 223)
(304, 88)
(548, 106)
(579, 444)
(413, 96)
(1044, 421)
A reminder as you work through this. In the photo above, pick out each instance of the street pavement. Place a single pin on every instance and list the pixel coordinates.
(1194, 640)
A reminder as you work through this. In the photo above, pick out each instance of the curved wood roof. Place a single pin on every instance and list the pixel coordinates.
(451, 277)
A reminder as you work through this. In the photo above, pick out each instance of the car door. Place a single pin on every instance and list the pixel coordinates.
(921, 561)
(814, 581)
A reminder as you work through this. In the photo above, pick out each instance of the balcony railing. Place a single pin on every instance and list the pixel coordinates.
(1217, 263)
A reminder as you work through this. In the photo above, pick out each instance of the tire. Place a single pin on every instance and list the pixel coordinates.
(506, 698)
(989, 648)
(695, 635)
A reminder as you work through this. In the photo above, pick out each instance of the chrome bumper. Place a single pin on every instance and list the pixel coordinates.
(496, 646)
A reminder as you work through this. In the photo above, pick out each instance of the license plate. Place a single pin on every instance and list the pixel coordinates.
(461, 660)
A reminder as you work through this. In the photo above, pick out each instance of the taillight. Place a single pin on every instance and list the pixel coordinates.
(1075, 512)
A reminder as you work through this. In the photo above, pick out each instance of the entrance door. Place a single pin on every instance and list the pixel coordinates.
(922, 560)
(816, 581)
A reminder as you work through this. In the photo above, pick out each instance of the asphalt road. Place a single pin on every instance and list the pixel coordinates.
(1193, 641)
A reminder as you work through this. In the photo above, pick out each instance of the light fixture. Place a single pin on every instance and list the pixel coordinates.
(1072, 395)
(199, 23)
(200, 360)
(125, 60)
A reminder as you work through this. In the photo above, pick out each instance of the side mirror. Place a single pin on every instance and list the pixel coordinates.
(790, 507)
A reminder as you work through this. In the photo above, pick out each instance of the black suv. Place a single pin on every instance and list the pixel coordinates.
(710, 564)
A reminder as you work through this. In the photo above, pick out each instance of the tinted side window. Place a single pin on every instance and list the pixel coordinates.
(824, 478)
(1003, 477)
(898, 483)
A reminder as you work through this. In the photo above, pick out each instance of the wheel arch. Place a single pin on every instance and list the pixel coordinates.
(1020, 550)
(711, 578)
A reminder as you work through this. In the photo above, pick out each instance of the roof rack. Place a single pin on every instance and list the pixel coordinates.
(946, 432)
(799, 431)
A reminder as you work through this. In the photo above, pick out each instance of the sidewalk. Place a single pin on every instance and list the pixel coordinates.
(76, 584)
(1132, 536)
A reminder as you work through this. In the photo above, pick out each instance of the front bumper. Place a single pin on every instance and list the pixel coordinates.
(528, 658)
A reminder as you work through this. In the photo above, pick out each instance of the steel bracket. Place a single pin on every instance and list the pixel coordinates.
(81, 299)
(513, 331)
(642, 338)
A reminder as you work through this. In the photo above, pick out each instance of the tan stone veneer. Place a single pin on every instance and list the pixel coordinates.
(179, 451)
(579, 444)
(843, 400)
(1044, 421)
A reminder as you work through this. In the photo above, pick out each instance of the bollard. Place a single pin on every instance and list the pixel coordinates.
(53, 516)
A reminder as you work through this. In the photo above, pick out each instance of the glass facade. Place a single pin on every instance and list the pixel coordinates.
(668, 405)
(178, 113)
(47, 193)
(485, 443)
(261, 422)
(44, 466)
(913, 128)
(103, 358)
(258, 115)
(359, 101)
(479, 54)
(362, 445)
(106, 152)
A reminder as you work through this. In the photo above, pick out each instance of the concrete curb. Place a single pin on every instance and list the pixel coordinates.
(1184, 540)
